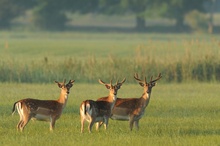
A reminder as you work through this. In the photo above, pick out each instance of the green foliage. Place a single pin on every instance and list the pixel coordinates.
(9, 9)
(177, 9)
(197, 21)
(48, 15)
(52, 14)
(178, 114)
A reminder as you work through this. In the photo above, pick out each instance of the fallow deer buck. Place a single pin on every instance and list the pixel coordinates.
(132, 109)
(99, 111)
(43, 110)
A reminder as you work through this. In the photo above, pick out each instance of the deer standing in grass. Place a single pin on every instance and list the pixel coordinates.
(132, 109)
(43, 110)
(99, 111)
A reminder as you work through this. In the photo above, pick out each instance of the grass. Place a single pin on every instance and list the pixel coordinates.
(178, 114)
(44, 56)
(183, 111)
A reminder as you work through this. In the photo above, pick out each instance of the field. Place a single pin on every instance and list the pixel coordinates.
(178, 114)
(42, 57)
(182, 112)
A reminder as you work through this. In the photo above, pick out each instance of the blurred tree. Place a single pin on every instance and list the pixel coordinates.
(141, 9)
(211, 6)
(177, 9)
(10, 9)
(51, 14)
(47, 14)
(83, 6)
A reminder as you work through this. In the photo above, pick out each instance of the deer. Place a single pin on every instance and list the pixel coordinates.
(99, 111)
(132, 109)
(42, 110)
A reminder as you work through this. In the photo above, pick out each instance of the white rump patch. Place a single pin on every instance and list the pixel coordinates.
(19, 109)
(88, 109)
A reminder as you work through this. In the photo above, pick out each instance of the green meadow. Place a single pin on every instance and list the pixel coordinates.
(42, 57)
(178, 114)
(184, 106)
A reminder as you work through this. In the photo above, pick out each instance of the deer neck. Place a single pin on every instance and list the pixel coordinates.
(112, 99)
(63, 99)
(146, 98)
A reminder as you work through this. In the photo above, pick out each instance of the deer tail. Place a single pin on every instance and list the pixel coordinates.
(13, 109)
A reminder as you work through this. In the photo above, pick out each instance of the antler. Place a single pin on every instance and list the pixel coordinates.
(117, 82)
(139, 80)
(159, 76)
(101, 82)
(123, 80)
(136, 77)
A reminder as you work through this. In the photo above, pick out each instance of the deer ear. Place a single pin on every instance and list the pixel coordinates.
(107, 86)
(119, 86)
(71, 82)
(141, 84)
(59, 85)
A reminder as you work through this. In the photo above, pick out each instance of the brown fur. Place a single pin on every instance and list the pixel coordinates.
(132, 109)
(99, 111)
(45, 110)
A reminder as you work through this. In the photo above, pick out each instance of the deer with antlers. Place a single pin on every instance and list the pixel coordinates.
(132, 109)
(43, 110)
(99, 111)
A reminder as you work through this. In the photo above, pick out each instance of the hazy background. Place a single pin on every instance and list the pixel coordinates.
(111, 15)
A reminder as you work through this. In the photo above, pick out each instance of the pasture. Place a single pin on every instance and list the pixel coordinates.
(178, 114)
(42, 57)
(182, 112)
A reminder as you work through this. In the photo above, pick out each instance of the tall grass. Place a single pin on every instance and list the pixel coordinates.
(90, 69)
(43, 57)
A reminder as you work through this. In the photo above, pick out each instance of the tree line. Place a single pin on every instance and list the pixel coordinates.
(52, 14)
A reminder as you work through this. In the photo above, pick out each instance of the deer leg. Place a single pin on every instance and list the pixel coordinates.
(52, 124)
(24, 122)
(90, 126)
(105, 122)
(82, 124)
(131, 122)
(20, 123)
(98, 125)
(136, 124)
